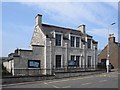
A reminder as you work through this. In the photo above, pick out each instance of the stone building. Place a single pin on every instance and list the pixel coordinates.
(114, 49)
(55, 48)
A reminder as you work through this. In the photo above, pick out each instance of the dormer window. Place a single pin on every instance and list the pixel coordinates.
(77, 41)
(72, 41)
(89, 43)
(58, 39)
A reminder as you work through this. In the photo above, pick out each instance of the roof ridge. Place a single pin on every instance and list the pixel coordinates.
(60, 27)
(70, 29)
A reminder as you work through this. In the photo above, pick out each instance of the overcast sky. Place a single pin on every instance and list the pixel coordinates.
(18, 20)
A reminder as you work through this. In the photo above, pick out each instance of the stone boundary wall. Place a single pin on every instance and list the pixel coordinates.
(75, 74)
(19, 79)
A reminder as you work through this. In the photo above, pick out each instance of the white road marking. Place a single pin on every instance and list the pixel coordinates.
(66, 80)
(58, 81)
(69, 79)
(22, 83)
(103, 81)
(50, 81)
(88, 77)
(112, 76)
(103, 75)
(55, 86)
(66, 87)
(45, 83)
(40, 82)
(116, 78)
(86, 83)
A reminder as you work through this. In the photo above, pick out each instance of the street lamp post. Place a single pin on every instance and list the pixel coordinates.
(50, 57)
(108, 53)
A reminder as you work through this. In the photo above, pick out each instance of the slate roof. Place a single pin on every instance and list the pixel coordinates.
(65, 31)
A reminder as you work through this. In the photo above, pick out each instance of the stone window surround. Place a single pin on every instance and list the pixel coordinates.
(80, 59)
(75, 40)
(61, 60)
(61, 38)
(89, 63)
(90, 43)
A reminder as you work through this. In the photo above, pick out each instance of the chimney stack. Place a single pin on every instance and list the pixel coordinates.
(38, 19)
(82, 28)
(111, 38)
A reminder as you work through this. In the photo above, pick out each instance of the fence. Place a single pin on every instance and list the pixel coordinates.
(26, 75)
(75, 68)
(54, 70)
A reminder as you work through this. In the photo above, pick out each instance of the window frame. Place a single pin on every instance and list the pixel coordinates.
(89, 45)
(89, 59)
(71, 57)
(61, 39)
(60, 62)
(75, 36)
(72, 43)
(77, 61)
(78, 43)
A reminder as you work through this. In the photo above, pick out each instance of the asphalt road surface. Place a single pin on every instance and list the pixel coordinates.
(103, 80)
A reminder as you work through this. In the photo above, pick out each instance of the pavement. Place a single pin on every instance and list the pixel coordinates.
(104, 80)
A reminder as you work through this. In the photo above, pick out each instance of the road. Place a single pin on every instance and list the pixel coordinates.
(103, 80)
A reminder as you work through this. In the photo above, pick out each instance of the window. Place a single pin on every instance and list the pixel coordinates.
(81, 62)
(89, 61)
(58, 39)
(89, 43)
(72, 41)
(77, 61)
(77, 41)
(72, 61)
(58, 61)
(73, 57)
